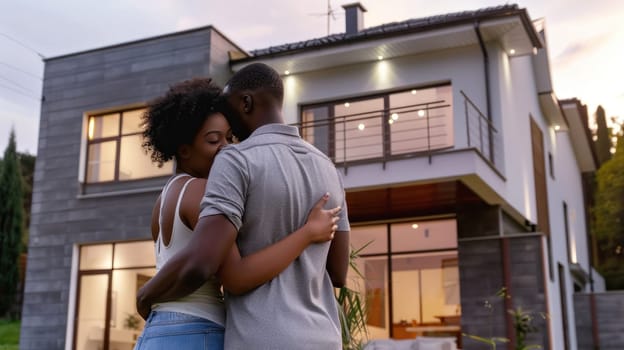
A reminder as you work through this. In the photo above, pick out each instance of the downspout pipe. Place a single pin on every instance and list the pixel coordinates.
(486, 70)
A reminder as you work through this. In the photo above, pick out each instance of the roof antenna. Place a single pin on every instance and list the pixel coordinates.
(330, 14)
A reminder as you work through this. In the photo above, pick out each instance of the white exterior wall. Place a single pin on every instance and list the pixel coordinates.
(566, 187)
(463, 67)
(518, 100)
(514, 100)
(514, 95)
(569, 187)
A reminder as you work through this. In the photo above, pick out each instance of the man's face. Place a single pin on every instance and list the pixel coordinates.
(233, 110)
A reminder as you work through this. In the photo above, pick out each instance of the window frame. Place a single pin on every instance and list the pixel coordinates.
(104, 272)
(117, 139)
(389, 254)
(386, 130)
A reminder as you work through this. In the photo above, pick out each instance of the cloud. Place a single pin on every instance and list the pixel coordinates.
(582, 47)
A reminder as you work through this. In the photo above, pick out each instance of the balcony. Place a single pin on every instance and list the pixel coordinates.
(421, 123)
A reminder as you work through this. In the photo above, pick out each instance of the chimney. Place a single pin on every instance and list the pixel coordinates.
(354, 17)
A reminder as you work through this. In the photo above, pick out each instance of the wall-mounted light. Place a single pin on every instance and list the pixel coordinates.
(287, 72)
(380, 58)
(531, 226)
(91, 127)
(512, 52)
(390, 121)
(414, 92)
(361, 126)
(394, 116)
(347, 104)
(421, 113)
(414, 226)
(557, 127)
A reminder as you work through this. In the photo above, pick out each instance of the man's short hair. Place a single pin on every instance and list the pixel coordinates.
(257, 76)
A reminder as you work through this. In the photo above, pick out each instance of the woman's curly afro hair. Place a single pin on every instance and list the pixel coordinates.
(174, 119)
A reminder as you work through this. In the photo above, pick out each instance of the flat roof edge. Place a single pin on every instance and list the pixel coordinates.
(137, 41)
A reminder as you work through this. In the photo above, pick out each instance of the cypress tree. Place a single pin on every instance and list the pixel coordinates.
(11, 224)
(603, 143)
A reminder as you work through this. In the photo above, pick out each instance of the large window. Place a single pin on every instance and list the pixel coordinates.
(108, 279)
(114, 151)
(380, 127)
(411, 278)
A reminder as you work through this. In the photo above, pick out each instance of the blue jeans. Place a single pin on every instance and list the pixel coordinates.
(178, 331)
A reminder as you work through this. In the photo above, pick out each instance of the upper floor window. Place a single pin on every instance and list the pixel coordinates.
(114, 151)
(382, 126)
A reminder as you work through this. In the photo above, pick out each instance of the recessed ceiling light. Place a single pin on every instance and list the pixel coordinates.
(414, 226)
(512, 52)
(287, 72)
(395, 116)
(557, 127)
(347, 104)
(361, 126)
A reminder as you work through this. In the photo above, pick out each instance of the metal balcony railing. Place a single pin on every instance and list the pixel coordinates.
(422, 129)
(481, 133)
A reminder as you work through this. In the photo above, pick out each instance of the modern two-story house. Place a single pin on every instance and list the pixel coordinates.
(465, 176)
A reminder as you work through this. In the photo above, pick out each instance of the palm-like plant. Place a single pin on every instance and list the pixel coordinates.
(352, 310)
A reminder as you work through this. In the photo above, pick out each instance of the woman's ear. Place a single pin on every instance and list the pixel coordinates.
(184, 151)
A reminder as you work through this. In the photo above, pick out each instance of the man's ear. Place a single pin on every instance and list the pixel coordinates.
(247, 103)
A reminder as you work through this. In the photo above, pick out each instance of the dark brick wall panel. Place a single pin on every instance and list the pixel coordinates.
(115, 77)
(583, 319)
(527, 284)
(609, 318)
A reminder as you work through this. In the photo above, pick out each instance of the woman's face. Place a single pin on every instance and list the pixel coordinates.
(212, 136)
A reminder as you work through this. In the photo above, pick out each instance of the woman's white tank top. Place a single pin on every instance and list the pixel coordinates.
(205, 302)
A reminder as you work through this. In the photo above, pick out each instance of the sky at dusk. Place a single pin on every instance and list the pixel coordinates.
(585, 39)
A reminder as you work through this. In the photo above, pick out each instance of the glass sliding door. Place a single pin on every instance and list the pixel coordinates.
(109, 278)
(91, 313)
(410, 278)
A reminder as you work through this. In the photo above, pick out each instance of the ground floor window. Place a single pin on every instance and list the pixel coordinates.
(410, 278)
(108, 279)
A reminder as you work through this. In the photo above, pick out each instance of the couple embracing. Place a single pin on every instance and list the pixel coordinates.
(250, 219)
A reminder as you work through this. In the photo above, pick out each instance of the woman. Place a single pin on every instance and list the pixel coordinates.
(185, 125)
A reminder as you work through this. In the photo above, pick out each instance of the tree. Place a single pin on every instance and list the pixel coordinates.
(609, 218)
(603, 141)
(27, 165)
(11, 224)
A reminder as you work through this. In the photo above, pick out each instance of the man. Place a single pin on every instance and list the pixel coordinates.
(257, 191)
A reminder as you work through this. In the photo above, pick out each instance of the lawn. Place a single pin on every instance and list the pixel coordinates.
(9, 335)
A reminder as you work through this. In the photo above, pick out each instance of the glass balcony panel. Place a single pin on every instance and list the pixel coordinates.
(316, 128)
(359, 130)
(421, 120)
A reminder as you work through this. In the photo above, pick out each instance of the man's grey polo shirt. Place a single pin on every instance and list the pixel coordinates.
(266, 187)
